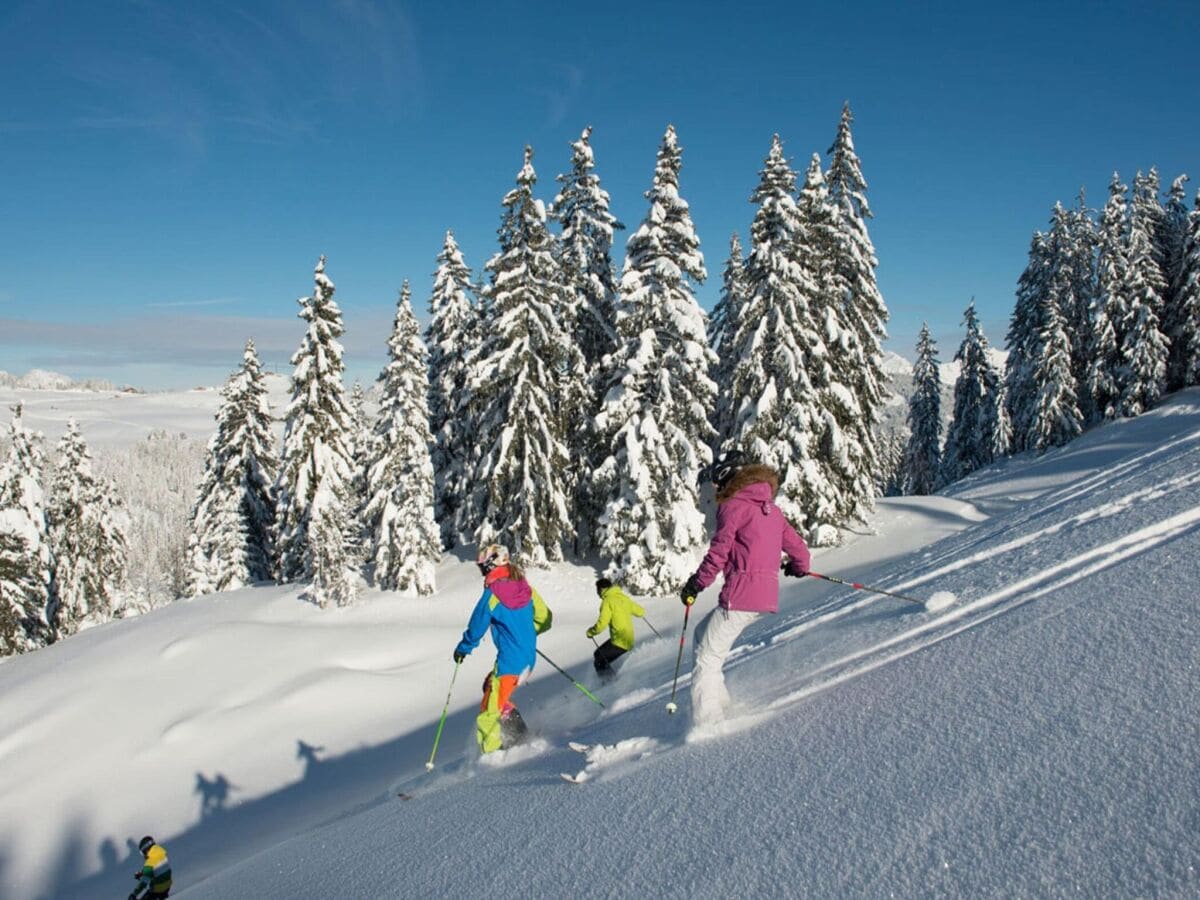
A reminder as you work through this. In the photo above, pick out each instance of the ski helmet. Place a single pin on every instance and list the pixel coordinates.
(491, 556)
(145, 844)
(602, 585)
(725, 466)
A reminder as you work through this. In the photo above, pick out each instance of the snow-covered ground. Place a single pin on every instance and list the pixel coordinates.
(1038, 737)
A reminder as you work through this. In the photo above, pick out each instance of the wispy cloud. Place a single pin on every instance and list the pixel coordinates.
(176, 304)
(562, 95)
(191, 72)
(182, 340)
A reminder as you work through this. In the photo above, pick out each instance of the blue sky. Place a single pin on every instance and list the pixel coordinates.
(172, 171)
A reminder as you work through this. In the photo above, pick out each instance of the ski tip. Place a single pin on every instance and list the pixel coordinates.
(572, 779)
(578, 747)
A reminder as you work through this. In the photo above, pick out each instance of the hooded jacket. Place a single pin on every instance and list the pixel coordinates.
(751, 534)
(617, 610)
(516, 614)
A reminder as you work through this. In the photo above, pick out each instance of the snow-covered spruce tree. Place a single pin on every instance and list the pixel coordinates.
(722, 328)
(1146, 208)
(780, 362)
(453, 331)
(585, 252)
(229, 543)
(585, 260)
(1069, 290)
(971, 437)
(1023, 343)
(921, 469)
(519, 381)
(865, 312)
(18, 580)
(315, 471)
(88, 536)
(1176, 324)
(655, 414)
(361, 440)
(1188, 301)
(405, 544)
(27, 558)
(1078, 294)
(1110, 307)
(1145, 346)
(889, 480)
(1058, 419)
(844, 440)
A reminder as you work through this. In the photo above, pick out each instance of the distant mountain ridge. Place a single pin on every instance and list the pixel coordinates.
(43, 380)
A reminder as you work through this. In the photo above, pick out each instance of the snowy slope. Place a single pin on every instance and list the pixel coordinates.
(1037, 738)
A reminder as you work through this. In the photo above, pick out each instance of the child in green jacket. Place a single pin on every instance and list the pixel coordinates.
(617, 610)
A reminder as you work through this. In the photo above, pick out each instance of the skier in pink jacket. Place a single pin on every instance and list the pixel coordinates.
(751, 534)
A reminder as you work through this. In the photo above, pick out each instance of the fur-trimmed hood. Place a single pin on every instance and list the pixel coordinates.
(746, 476)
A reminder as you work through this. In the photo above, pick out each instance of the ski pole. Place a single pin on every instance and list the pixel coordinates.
(652, 628)
(865, 587)
(589, 694)
(437, 737)
(671, 707)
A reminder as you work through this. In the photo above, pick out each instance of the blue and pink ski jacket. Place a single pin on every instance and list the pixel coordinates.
(516, 614)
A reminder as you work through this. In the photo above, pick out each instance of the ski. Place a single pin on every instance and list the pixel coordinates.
(573, 779)
(578, 747)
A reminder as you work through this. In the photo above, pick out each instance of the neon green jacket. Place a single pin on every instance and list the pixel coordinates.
(617, 610)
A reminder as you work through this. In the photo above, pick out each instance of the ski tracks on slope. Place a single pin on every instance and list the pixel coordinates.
(981, 610)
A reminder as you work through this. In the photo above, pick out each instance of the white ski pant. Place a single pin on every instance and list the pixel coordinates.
(716, 635)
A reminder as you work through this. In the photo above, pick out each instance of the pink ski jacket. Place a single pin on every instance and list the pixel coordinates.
(751, 534)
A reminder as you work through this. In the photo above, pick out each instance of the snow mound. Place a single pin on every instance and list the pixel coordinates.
(941, 600)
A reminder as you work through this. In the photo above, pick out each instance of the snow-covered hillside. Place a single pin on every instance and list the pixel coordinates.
(1038, 737)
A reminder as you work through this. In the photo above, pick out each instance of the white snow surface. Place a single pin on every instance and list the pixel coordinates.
(1037, 737)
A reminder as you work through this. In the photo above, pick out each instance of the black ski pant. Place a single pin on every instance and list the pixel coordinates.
(606, 654)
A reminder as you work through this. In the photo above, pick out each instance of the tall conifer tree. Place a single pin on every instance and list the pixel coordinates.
(971, 437)
(655, 415)
(26, 556)
(921, 469)
(1110, 307)
(1058, 419)
(844, 440)
(780, 362)
(230, 541)
(1145, 347)
(864, 309)
(722, 329)
(585, 258)
(454, 329)
(87, 530)
(1176, 324)
(1188, 300)
(315, 475)
(1023, 343)
(404, 545)
(521, 377)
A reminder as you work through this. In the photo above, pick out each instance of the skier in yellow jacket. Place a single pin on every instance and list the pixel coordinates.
(154, 878)
(617, 610)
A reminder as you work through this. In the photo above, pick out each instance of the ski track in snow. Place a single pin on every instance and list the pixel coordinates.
(1017, 594)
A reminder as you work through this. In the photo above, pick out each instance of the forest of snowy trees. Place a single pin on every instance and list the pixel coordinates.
(1107, 321)
(562, 405)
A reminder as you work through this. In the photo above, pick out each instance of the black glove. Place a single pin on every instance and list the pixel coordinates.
(793, 568)
(690, 591)
(459, 656)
